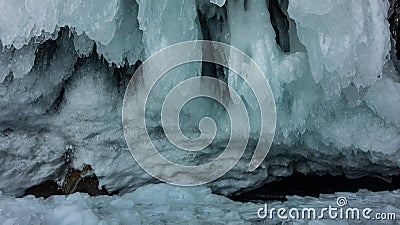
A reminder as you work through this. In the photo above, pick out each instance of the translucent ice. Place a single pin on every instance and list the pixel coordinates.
(24, 19)
(352, 51)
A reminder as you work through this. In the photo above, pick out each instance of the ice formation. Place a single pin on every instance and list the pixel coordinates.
(29, 19)
(153, 204)
(65, 65)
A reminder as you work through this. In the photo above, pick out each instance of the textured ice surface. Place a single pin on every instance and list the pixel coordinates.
(220, 3)
(19, 62)
(338, 52)
(23, 19)
(61, 89)
(155, 204)
(109, 24)
(126, 43)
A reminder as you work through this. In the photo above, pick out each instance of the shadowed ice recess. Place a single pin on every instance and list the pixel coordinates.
(65, 66)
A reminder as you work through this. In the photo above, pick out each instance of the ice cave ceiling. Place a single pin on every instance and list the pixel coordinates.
(65, 65)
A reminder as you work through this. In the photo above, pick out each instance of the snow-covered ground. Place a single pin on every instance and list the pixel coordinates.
(336, 90)
(65, 64)
(166, 204)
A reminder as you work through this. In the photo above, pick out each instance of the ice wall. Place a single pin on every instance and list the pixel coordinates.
(331, 79)
(337, 91)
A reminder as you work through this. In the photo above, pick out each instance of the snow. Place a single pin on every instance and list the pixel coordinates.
(161, 203)
(337, 93)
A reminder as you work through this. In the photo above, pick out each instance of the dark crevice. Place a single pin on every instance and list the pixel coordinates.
(280, 23)
(93, 57)
(124, 73)
(394, 21)
(44, 57)
(49, 188)
(246, 5)
(207, 68)
(314, 185)
(8, 79)
(57, 102)
(60, 97)
(45, 189)
(203, 26)
(75, 180)
(45, 52)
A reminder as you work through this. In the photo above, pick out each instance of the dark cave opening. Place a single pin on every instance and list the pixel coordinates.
(49, 188)
(314, 185)
(298, 184)
(394, 21)
(208, 68)
(280, 23)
